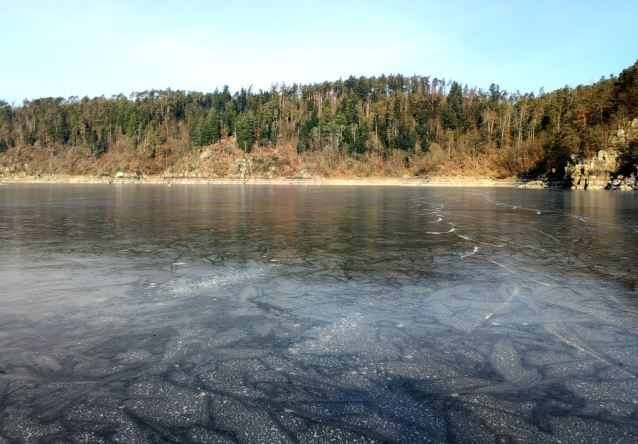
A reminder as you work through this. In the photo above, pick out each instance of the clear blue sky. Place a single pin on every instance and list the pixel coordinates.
(65, 47)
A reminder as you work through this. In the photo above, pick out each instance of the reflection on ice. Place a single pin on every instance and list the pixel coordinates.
(340, 317)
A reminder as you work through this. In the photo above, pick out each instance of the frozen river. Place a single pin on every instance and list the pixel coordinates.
(198, 314)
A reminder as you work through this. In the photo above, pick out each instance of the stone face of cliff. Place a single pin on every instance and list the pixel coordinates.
(592, 174)
(605, 170)
(624, 136)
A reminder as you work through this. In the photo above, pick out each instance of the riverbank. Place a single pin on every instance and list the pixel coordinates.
(429, 181)
(441, 181)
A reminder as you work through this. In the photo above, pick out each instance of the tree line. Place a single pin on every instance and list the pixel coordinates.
(384, 116)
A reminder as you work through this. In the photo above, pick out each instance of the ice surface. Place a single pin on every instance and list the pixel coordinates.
(230, 314)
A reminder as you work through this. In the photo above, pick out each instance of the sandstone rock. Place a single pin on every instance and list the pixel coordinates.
(593, 174)
(205, 155)
(119, 174)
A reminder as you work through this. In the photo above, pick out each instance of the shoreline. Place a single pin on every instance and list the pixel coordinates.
(428, 181)
(437, 181)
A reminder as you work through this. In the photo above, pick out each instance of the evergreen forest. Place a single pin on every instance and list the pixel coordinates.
(358, 127)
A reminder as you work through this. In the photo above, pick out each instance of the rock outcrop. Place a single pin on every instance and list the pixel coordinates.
(305, 173)
(624, 136)
(592, 174)
(241, 168)
(606, 171)
(205, 155)
(122, 175)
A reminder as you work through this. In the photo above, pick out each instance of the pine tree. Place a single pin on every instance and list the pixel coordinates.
(195, 131)
(209, 132)
(245, 131)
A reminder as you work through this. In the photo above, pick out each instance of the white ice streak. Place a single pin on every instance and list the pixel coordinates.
(500, 265)
(476, 249)
(549, 236)
(539, 282)
(440, 232)
(516, 207)
(584, 348)
(505, 304)
(480, 242)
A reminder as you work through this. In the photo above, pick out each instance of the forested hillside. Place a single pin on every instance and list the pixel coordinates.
(376, 126)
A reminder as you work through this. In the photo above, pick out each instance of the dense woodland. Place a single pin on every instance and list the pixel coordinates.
(366, 126)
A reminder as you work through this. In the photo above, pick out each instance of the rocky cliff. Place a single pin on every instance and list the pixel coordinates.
(611, 169)
(599, 173)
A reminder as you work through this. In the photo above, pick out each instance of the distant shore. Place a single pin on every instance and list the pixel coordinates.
(436, 181)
